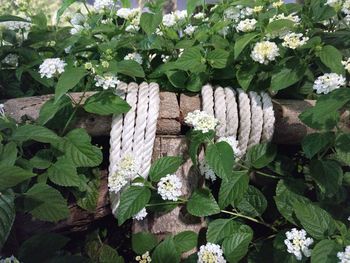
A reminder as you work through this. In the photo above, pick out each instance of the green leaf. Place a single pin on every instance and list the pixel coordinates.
(106, 103)
(253, 202)
(218, 58)
(220, 158)
(42, 159)
(50, 108)
(220, 229)
(46, 203)
(286, 77)
(195, 82)
(325, 251)
(11, 176)
(316, 221)
(236, 246)
(328, 175)
(143, 242)
(36, 133)
(233, 188)
(177, 78)
(190, 59)
(64, 173)
(7, 215)
(279, 25)
(132, 200)
(164, 166)
(109, 255)
(245, 76)
(127, 67)
(68, 80)
(78, 148)
(191, 5)
(88, 200)
(242, 42)
(8, 156)
(149, 22)
(315, 142)
(261, 155)
(332, 58)
(166, 252)
(125, 3)
(196, 139)
(63, 8)
(5, 18)
(202, 203)
(342, 143)
(185, 241)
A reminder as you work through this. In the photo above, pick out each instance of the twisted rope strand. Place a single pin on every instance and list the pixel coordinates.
(231, 112)
(208, 99)
(257, 119)
(220, 111)
(244, 120)
(269, 118)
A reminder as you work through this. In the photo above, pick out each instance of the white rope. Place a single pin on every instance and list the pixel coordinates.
(257, 119)
(244, 120)
(231, 112)
(269, 118)
(220, 111)
(208, 99)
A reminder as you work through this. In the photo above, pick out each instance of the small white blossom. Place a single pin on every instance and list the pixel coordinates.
(189, 30)
(232, 14)
(199, 15)
(78, 19)
(144, 258)
(165, 58)
(206, 170)
(159, 32)
(76, 30)
(132, 28)
(264, 52)
(298, 244)
(134, 56)
(246, 11)
(169, 187)
(258, 9)
(68, 49)
(2, 110)
(101, 5)
(344, 257)
(346, 7)
(180, 15)
(278, 3)
(11, 60)
(328, 82)
(201, 121)
(247, 25)
(346, 64)
(51, 67)
(292, 17)
(231, 140)
(106, 81)
(169, 20)
(210, 253)
(334, 3)
(128, 13)
(294, 40)
(141, 214)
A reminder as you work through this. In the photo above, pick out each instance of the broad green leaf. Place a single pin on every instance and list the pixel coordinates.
(11, 176)
(202, 203)
(132, 200)
(164, 166)
(220, 229)
(36, 133)
(315, 142)
(7, 215)
(280, 25)
(42, 159)
(325, 251)
(50, 108)
(64, 173)
(286, 77)
(220, 158)
(218, 58)
(106, 103)
(68, 80)
(332, 58)
(143, 242)
(245, 76)
(328, 175)
(46, 203)
(78, 148)
(127, 67)
(190, 59)
(233, 188)
(195, 82)
(166, 252)
(242, 42)
(8, 156)
(196, 139)
(316, 221)
(342, 143)
(235, 247)
(177, 78)
(253, 202)
(88, 199)
(185, 241)
(109, 255)
(261, 155)
(149, 22)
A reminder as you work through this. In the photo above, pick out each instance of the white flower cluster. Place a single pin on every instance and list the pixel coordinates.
(170, 20)
(292, 17)
(51, 67)
(101, 5)
(277, 4)
(106, 81)
(206, 170)
(264, 52)
(201, 121)
(298, 244)
(11, 259)
(346, 64)
(134, 56)
(128, 13)
(189, 30)
(294, 40)
(126, 171)
(141, 214)
(231, 140)
(169, 187)
(334, 3)
(238, 13)
(247, 25)
(344, 257)
(346, 7)
(210, 253)
(328, 82)
(11, 60)
(78, 22)
(144, 258)
(199, 15)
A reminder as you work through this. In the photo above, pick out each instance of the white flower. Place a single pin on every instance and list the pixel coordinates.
(164, 58)
(334, 3)
(76, 30)
(141, 214)
(51, 67)
(78, 19)
(232, 14)
(101, 5)
(346, 64)
(134, 56)
(11, 60)
(169, 20)
(247, 25)
(298, 244)
(2, 110)
(210, 253)
(206, 170)
(132, 28)
(169, 187)
(144, 258)
(247, 11)
(180, 15)
(346, 7)
(199, 15)
(278, 3)
(128, 13)
(294, 40)
(231, 140)
(159, 32)
(292, 17)
(258, 9)
(328, 82)
(68, 49)
(201, 121)
(116, 182)
(264, 52)
(106, 81)
(189, 30)
(344, 257)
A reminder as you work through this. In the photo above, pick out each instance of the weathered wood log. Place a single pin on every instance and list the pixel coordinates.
(173, 108)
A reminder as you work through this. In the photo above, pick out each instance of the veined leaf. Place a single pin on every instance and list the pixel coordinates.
(7, 215)
(242, 42)
(11, 176)
(36, 133)
(220, 229)
(143, 242)
(202, 203)
(220, 158)
(164, 166)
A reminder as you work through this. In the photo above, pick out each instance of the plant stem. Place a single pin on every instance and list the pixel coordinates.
(168, 203)
(259, 172)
